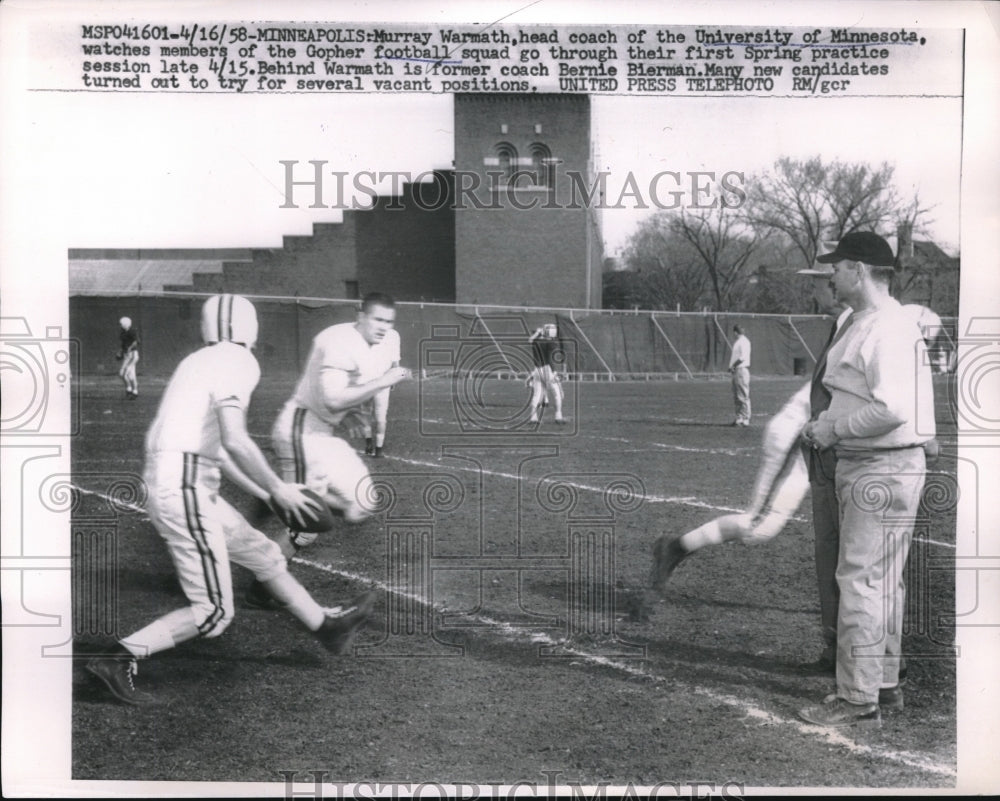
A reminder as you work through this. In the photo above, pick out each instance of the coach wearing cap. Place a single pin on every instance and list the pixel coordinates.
(879, 382)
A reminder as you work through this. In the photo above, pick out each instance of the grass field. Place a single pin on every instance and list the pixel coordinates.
(508, 645)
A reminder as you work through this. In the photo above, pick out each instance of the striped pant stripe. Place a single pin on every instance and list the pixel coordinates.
(298, 450)
(208, 563)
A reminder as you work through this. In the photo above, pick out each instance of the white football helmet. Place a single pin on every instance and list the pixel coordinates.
(125, 322)
(229, 318)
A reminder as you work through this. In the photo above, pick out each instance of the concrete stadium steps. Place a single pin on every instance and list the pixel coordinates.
(144, 270)
(280, 271)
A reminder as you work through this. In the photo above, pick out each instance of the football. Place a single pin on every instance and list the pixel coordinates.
(319, 521)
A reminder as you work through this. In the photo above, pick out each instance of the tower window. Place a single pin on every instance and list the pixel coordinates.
(507, 157)
(542, 165)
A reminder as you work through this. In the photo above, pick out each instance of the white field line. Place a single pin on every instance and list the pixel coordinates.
(681, 448)
(642, 446)
(752, 712)
(687, 500)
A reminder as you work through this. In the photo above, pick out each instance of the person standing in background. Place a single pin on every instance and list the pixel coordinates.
(739, 367)
(128, 355)
(543, 380)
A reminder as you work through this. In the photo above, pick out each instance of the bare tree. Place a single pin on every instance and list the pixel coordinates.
(811, 201)
(665, 271)
(724, 244)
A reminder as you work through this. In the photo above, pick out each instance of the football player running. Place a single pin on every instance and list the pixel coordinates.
(199, 433)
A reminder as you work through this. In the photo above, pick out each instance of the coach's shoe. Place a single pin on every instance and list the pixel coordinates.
(338, 630)
(667, 554)
(891, 698)
(257, 597)
(837, 713)
(117, 672)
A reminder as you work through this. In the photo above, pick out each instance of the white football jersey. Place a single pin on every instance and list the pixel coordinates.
(339, 347)
(224, 374)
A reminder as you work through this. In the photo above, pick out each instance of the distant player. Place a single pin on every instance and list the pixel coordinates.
(200, 433)
(384, 356)
(128, 354)
(343, 372)
(543, 380)
(739, 368)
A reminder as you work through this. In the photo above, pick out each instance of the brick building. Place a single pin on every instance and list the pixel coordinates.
(520, 230)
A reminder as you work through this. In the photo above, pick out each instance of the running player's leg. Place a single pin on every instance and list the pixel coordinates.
(556, 390)
(262, 556)
(537, 393)
(188, 522)
(336, 471)
(132, 372)
(287, 439)
(380, 417)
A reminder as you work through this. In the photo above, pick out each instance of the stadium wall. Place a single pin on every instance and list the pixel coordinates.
(443, 338)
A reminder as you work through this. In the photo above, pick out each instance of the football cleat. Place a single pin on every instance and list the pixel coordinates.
(338, 629)
(117, 673)
(667, 555)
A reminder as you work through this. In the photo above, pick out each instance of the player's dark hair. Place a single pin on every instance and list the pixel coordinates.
(377, 299)
(738, 329)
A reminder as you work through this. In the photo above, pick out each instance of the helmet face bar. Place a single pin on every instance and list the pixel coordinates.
(229, 318)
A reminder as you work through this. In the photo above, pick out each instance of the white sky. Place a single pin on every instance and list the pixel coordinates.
(204, 171)
(750, 135)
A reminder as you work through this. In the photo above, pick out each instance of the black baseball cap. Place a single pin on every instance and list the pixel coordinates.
(863, 246)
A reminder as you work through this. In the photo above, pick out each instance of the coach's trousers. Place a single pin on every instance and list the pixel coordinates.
(826, 527)
(741, 393)
(879, 494)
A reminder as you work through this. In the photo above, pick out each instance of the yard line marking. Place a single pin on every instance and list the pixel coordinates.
(652, 498)
(114, 502)
(688, 501)
(624, 440)
(682, 448)
(750, 710)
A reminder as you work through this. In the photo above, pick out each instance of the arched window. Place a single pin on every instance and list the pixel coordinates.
(507, 156)
(542, 165)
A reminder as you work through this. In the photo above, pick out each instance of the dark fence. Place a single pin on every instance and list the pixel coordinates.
(443, 338)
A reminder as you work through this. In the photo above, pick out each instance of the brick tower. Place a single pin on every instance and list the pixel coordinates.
(528, 236)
